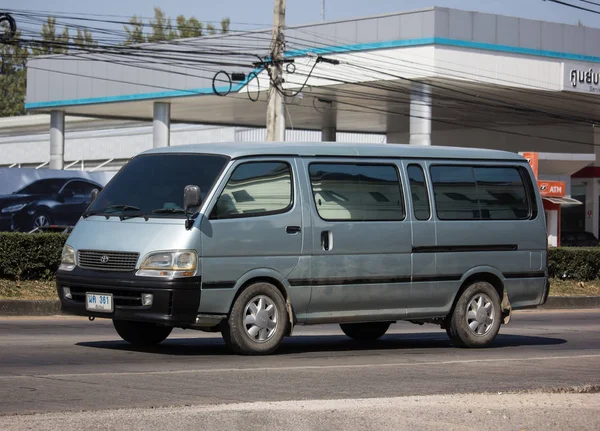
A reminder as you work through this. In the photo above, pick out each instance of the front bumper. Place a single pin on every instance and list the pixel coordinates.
(175, 302)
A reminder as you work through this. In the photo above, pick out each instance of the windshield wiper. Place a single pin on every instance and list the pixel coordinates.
(168, 211)
(121, 207)
(115, 208)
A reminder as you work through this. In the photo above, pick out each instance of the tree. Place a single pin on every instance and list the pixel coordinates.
(13, 78)
(84, 40)
(161, 27)
(51, 43)
(189, 27)
(211, 29)
(225, 22)
(135, 34)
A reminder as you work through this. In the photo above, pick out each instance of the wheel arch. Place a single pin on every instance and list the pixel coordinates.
(487, 274)
(265, 275)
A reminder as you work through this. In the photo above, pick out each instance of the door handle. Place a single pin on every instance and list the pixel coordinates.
(292, 229)
(326, 240)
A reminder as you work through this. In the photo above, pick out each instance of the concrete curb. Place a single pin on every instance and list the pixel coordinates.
(10, 307)
(571, 302)
(14, 307)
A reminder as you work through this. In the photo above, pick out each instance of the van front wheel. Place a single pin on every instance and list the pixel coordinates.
(142, 334)
(477, 316)
(258, 321)
(365, 331)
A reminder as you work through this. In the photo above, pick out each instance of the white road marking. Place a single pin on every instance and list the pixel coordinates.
(304, 367)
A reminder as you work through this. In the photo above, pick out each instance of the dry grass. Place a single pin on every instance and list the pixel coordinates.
(574, 288)
(10, 289)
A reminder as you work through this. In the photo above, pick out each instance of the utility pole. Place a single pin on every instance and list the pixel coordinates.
(275, 115)
(322, 10)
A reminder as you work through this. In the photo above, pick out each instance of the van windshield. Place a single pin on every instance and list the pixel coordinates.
(153, 184)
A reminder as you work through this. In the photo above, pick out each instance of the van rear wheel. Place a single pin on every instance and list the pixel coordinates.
(258, 321)
(477, 316)
(141, 334)
(365, 331)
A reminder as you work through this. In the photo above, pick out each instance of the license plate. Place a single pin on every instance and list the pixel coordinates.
(100, 302)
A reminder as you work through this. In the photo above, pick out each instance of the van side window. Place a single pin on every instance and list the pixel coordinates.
(502, 194)
(357, 192)
(479, 193)
(256, 189)
(419, 193)
(455, 192)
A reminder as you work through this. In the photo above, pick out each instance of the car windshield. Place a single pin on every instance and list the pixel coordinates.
(152, 183)
(43, 187)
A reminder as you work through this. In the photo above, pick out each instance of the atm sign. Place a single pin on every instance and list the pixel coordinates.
(552, 188)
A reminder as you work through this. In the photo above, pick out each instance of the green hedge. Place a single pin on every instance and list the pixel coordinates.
(574, 263)
(37, 256)
(30, 256)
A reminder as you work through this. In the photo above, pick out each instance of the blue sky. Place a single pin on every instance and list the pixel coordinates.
(260, 12)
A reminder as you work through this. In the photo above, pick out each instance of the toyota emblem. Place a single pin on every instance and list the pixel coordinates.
(104, 259)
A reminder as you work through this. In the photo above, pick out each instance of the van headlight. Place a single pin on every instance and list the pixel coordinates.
(169, 264)
(67, 259)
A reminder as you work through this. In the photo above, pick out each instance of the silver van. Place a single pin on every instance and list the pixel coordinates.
(252, 239)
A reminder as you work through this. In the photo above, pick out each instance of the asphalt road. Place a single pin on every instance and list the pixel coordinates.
(70, 364)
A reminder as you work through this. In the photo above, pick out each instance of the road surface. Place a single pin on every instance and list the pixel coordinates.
(67, 364)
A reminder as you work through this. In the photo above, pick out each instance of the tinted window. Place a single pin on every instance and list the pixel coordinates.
(156, 181)
(43, 187)
(455, 192)
(82, 188)
(255, 189)
(357, 192)
(501, 194)
(476, 193)
(419, 193)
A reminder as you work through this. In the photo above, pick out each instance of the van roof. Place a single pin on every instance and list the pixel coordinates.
(237, 150)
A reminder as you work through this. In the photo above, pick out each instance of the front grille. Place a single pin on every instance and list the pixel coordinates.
(107, 260)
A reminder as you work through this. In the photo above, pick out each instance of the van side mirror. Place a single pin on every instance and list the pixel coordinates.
(94, 195)
(191, 197)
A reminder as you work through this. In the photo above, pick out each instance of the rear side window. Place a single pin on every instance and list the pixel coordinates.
(256, 189)
(357, 192)
(480, 193)
(455, 192)
(419, 193)
(502, 194)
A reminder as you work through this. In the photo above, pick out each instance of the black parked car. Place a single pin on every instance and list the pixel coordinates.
(54, 201)
(578, 239)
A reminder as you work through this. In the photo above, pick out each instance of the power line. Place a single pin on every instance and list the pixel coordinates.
(573, 6)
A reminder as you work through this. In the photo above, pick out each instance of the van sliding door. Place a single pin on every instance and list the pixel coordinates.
(361, 240)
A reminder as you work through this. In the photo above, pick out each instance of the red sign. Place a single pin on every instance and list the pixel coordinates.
(533, 159)
(554, 189)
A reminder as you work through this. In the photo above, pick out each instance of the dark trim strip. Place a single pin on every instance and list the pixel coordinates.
(511, 275)
(345, 281)
(406, 279)
(373, 280)
(464, 248)
(424, 278)
(219, 285)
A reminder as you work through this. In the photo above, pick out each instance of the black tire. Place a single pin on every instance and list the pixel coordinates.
(236, 332)
(365, 331)
(40, 215)
(141, 334)
(485, 331)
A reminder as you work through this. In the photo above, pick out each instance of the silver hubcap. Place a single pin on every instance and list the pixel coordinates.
(41, 221)
(480, 314)
(260, 319)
